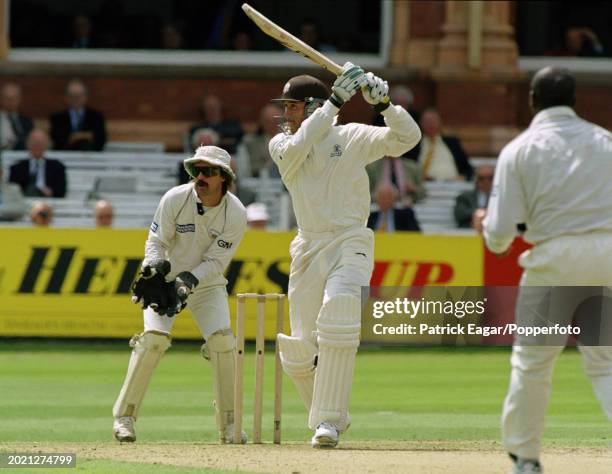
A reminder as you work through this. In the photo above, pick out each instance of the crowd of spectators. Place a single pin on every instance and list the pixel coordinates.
(396, 184)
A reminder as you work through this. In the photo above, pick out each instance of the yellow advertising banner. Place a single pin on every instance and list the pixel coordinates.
(76, 282)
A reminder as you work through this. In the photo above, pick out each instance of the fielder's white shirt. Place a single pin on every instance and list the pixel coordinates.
(556, 177)
(201, 244)
(323, 165)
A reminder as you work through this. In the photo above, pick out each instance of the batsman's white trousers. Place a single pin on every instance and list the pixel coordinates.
(324, 265)
(208, 306)
(581, 260)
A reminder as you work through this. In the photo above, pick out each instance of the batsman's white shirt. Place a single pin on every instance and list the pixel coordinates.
(323, 167)
(202, 244)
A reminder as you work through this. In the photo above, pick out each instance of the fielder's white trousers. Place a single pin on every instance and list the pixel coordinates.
(584, 260)
(324, 265)
(208, 306)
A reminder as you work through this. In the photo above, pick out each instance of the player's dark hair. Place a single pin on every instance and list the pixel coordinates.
(227, 183)
(551, 87)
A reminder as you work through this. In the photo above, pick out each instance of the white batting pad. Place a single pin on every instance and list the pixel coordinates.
(219, 349)
(298, 359)
(338, 327)
(148, 348)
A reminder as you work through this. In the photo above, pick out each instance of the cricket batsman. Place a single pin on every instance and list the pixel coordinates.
(195, 232)
(555, 178)
(323, 167)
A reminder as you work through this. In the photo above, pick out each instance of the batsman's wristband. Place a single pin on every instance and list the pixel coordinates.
(382, 106)
(334, 99)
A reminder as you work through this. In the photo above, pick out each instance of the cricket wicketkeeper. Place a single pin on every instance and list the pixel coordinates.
(323, 167)
(195, 232)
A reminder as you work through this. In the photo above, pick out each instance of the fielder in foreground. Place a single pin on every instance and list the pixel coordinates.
(195, 232)
(555, 178)
(323, 167)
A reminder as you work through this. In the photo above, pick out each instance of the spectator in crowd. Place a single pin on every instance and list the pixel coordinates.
(242, 41)
(403, 173)
(388, 217)
(470, 206)
(12, 204)
(82, 32)
(39, 176)
(79, 127)
(14, 127)
(172, 36)
(103, 214)
(253, 155)
(309, 34)
(441, 157)
(257, 216)
(41, 214)
(229, 130)
(246, 195)
(200, 137)
(580, 42)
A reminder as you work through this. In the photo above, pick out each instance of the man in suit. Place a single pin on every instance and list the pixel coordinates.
(402, 172)
(441, 157)
(78, 127)
(37, 175)
(470, 206)
(389, 218)
(14, 127)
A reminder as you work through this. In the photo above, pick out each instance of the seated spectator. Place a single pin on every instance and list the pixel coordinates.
(78, 127)
(14, 127)
(441, 157)
(257, 216)
(580, 42)
(253, 154)
(12, 205)
(200, 137)
(172, 36)
(41, 214)
(403, 173)
(39, 176)
(229, 130)
(470, 204)
(246, 195)
(309, 34)
(82, 32)
(103, 214)
(389, 218)
(242, 41)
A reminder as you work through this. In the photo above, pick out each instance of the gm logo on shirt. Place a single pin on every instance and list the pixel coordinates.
(224, 245)
(182, 228)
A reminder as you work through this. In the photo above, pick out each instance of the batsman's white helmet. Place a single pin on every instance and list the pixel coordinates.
(212, 155)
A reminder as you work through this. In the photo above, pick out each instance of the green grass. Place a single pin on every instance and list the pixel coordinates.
(64, 391)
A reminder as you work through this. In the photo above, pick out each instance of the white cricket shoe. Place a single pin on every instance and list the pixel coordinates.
(229, 435)
(526, 466)
(326, 436)
(123, 427)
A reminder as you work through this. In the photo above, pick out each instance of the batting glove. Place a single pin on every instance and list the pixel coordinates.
(347, 84)
(375, 91)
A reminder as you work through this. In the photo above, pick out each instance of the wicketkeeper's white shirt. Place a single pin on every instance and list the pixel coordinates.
(202, 244)
(323, 165)
(556, 177)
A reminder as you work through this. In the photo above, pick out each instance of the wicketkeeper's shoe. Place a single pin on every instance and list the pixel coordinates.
(123, 427)
(326, 436)
(526, 466)
(229, 435)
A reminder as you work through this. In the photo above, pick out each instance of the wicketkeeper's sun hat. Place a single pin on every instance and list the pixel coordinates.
(212, 155)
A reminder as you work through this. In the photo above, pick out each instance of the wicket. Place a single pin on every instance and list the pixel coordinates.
(259, 365)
